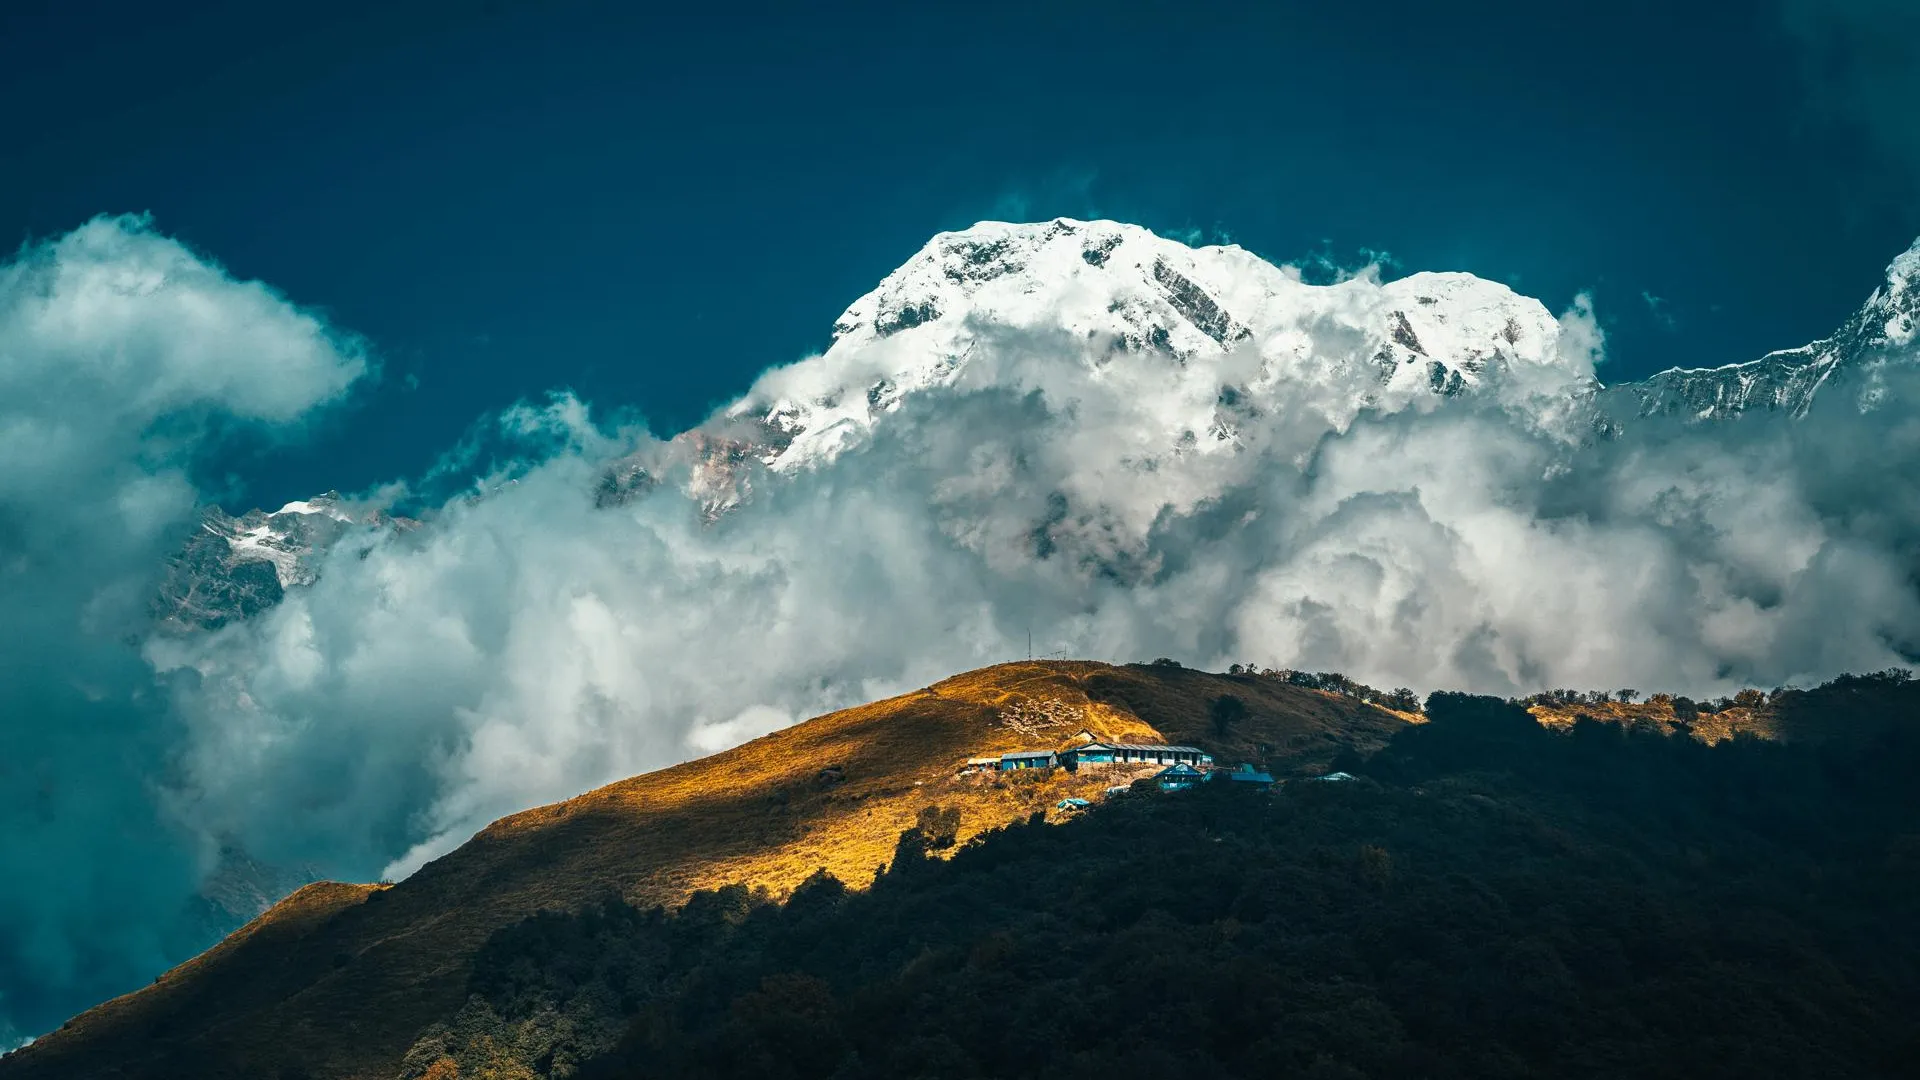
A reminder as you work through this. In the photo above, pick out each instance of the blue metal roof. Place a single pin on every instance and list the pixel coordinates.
(1023, 754)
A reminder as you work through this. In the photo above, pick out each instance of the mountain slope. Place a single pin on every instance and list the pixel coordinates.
(1488, 899)
(337, 980)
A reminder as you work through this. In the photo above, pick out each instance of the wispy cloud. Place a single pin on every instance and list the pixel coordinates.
(1662, 311)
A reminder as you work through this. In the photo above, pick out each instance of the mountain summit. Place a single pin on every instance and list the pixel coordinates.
(1193, 345)
(232, 568)
(1136, 310)
(1189, 344)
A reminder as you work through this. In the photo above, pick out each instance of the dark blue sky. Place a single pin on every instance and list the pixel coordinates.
(650, 209)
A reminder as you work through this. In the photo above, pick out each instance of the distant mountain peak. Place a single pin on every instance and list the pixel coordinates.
(234, 567)
(1899, 298)
(1904, 271)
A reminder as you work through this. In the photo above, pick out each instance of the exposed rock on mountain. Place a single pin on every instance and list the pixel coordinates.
(235, 567)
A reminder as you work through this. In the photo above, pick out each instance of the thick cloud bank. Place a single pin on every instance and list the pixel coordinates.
(123, 357)
(613, 602)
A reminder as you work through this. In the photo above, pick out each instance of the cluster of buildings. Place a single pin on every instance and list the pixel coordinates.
(1181, 766)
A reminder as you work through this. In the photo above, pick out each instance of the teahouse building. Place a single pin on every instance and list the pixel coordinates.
(1117, 753)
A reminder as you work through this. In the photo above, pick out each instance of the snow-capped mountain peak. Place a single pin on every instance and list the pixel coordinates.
(1102, 294)
(327, 505)
(1899, 298)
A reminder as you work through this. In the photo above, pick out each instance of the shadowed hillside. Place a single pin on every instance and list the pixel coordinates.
(339, 980)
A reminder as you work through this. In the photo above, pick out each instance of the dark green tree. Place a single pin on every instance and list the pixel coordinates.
(1226, 711)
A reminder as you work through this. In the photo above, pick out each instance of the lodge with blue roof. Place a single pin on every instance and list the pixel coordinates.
(1174, 768)
(1119, 753)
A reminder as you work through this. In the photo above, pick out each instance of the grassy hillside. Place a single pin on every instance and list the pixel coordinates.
(339, 980)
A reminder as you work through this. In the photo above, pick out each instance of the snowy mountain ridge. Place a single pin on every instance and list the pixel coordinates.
(1189, 346)
(1787, 381)
(284, 538)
